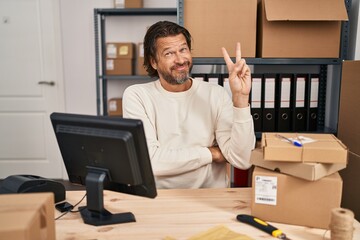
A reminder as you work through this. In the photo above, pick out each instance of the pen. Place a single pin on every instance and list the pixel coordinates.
(294, 142)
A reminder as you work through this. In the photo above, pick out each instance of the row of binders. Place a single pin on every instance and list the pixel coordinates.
(279, 102)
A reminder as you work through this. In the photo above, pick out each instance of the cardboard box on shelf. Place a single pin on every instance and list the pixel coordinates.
(281, 198)
(201, 18)
(28, 207)
(115, 107)
(120, 50)
(300, 29)
(349, 115)
(120, 66)
(140, 70)
(128, 3)
(325, 148)
(307, 171)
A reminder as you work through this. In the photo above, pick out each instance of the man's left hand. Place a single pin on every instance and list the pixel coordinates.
(239, 78)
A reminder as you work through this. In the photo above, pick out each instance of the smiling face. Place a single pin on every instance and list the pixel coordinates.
(173, 59)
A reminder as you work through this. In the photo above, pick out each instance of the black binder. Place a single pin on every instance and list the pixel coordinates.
(268, 97)
(298, 105)
(256, 101)
(283, 101)
(313, 99)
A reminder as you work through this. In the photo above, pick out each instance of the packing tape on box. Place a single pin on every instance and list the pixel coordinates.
(341, 224)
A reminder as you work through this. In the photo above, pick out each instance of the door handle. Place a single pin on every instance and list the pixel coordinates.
(51, 83)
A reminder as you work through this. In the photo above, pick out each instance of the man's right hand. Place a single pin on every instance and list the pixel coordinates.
(217, 155)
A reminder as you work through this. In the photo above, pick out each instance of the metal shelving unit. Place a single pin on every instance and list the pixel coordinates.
(323, 63)
(100, 16)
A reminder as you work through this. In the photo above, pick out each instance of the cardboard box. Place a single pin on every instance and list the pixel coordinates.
(307, 171)
(120, 50)
(214, 24)
(28, 208)
(24, 225)
(115, 107)
(140, 70)
(300, 29)
(349, 114)
(351, 190)
(281, 198)
(325, 149)
(128, 3)
(120, 66)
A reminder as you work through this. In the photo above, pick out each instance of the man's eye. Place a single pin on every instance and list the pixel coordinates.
(183, 50)
(168, 54)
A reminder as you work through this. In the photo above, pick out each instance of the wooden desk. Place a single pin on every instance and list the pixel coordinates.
(176, 213)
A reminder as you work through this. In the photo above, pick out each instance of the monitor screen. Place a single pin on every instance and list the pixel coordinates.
(104, 152)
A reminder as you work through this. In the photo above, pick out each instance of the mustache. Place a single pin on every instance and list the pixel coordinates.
(187, 63)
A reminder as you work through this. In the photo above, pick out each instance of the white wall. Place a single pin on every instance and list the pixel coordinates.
(79, 52)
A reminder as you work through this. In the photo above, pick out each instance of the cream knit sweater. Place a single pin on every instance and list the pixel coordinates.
(180, 127)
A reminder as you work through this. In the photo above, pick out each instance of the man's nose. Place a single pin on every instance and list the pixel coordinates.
(179, 58)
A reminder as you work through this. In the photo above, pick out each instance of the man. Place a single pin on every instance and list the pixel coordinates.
(192, 127)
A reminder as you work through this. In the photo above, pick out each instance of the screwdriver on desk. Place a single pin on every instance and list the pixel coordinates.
(262, 225)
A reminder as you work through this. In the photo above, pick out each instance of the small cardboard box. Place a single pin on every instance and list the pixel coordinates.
(300, 29)
(115, 107)
(41, 204)
(325, 149)
(281, 198)
(128, 3)
(120, 66)
(140, 70)
(201, 18)
(307, 171)
(117, 50)
(133, 3)
(349, 114)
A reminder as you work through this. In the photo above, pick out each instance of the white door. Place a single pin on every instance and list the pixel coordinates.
(31, 87)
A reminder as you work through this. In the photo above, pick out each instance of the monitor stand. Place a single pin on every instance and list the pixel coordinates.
(95, 213)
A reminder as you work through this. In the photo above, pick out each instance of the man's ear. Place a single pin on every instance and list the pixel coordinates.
(153, 63)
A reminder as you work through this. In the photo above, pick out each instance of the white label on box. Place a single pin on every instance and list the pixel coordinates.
(110, 65)
(265, 190)
(113, 106)
(111, 51)
(119, 3)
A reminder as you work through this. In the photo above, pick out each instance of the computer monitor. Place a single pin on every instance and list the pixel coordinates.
(103, 152)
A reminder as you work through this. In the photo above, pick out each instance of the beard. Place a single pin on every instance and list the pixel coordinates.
(179, 78)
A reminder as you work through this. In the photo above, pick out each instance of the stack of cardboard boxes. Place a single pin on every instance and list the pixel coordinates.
(266, 29)
(298, 185)
(119, 58)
